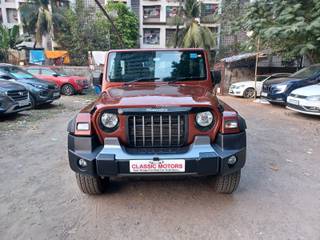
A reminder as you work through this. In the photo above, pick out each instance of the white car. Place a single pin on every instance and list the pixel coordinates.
(246, 89)
(305, 100)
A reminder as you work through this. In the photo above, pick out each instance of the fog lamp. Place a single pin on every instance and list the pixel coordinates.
(232, 160)
(82, 163)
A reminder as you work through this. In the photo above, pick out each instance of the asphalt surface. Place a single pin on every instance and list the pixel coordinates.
(278, 196)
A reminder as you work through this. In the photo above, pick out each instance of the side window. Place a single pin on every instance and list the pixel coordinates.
(34, 71)
(47, 72)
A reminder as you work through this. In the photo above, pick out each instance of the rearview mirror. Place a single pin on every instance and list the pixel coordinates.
(216, 77)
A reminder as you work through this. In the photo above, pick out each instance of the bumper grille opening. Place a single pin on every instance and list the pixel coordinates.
(18, 95)
(157, 130)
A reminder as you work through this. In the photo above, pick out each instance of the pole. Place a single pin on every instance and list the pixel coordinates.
(112, 23)
(256, 69)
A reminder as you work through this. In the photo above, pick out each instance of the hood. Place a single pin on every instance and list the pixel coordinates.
(37, 81)
(247, 83)
(279, 80)
(6, 85)
(312, 90)
(156, 96)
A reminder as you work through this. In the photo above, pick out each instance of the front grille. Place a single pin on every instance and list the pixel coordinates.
(18, 95)
(157, 130)
(266, 88)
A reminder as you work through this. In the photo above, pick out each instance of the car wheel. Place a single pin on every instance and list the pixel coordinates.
(227, 183)
(33, 102)
(91, 185)
(249, 93)
(67, 89)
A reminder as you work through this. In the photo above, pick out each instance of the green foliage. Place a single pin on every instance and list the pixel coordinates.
(127, 23)
(194, 35)
(41, 23)
(9, 39)
(81, 31)
(289, 28)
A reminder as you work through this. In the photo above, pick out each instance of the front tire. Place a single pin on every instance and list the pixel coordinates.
(91, 185)
(33, 102)
(227, 183)
(68, 90)
(249, 93)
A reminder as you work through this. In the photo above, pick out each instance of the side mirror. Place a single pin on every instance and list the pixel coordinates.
(55, 75)
(216, 77)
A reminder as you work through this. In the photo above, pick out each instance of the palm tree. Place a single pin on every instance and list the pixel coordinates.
(9, 39)
(194, 34)
(41, 23)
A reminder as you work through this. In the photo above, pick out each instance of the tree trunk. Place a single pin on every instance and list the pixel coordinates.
(177, 27)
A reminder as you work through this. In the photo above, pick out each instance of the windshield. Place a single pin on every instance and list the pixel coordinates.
(156, 66)
(306, 72)
(17, 73)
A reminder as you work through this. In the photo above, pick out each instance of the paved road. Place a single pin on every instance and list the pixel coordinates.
(278, 197)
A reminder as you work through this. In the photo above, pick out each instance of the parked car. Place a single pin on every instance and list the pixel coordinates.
(277, 90)
(69, 85)
(40, 91)
(157, 116)
(246, 89)
(13, 97)
(305, 100)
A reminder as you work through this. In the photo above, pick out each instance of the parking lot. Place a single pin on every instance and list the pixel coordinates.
(278, 196)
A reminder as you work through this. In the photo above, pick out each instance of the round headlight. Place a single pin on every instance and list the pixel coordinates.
(204, 119)
(109, 120)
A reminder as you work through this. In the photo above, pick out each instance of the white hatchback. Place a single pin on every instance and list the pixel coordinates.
(305, 100)
(246, 89)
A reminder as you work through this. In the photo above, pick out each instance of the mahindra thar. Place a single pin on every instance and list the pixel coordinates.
(157, 115)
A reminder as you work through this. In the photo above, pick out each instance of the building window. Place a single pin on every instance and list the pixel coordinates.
(151, 13)
(170, 33)
(207, 12)
(9, 1)
(151, 36)
(1, 20)
(12, 15)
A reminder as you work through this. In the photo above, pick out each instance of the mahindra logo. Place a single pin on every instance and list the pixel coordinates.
(157, 109)
(20, 93)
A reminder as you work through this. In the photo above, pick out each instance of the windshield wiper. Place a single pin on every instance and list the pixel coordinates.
(141, 80)
(182, 79)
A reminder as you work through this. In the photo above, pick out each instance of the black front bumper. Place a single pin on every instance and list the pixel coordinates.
(201, 158)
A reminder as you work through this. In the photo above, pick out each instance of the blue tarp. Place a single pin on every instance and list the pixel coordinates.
(37, 57)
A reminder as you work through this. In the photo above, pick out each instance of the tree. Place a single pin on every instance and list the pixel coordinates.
(232, 11)
(289, 29)
(82, 32)
(9, 39)
(43, 22)
(193, 34)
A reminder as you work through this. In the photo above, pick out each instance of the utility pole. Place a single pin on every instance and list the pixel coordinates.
(256, 68)
(112, 23)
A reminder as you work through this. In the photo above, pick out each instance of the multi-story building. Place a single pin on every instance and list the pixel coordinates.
(157, 26)
(9, 15)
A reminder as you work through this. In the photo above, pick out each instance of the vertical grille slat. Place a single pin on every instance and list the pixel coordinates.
(134, 131)
(157, 130)
(161, 130)
(178, 129)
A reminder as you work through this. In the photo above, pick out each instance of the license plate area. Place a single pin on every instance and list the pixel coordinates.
(293, 101)
(264, 94)
(23, 103)
(159, 166)
(56, 94)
